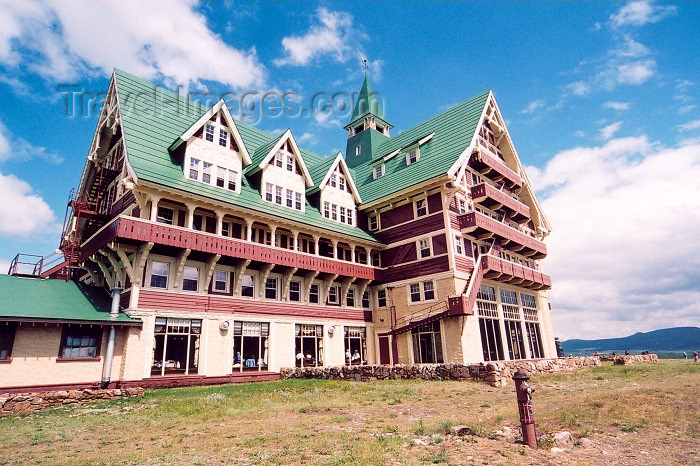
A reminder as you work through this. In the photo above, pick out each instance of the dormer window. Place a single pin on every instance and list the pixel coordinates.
(334, 180)
(223, 138)
(412, 156)
(278, 159)
(210, 133)
(290, 163)
(194, 168)
(378, 171)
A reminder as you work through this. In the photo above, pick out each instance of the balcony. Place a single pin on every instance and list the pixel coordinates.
(486, 160)
(490, 197)
(482, 226)
(142, 231)
(505, 271)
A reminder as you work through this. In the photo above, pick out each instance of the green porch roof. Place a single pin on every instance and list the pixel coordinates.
(34, 299)
(454, 130)
(153, 117)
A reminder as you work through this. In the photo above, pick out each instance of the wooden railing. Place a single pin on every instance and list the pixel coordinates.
(473, 220)
(484, 190)
(488, 156)
(511, 269)
(146, 231)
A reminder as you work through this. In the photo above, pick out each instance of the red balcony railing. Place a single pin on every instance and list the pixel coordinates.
(512, 239)
(489, 196)
(499, 269)
(487, 158)
(140, 230)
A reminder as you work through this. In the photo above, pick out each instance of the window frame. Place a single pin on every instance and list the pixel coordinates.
(82, 332)
(185, 270)
(297, 291)
(381, 297)
(412, 156)
(246, 287)
(420, 205)
(152, 275)
(216, 280)
(269, 289)
(373, 222)
(425, 247)
(8, 331)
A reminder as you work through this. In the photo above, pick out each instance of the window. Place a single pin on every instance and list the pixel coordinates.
(278, 159)
(373, 220)
(295, 291)
(232, 175)
(424, 247)
(250, 345)
(421, 209)
(223, 138)
(271, 288)
(350, 298)
(80, 342)
(268, 192)
(355, 345)
(412, 157)
(194, 169)
(381, 298)
(534, 339)
(290, 163)
(190, 278)
(334, 212)
(358, 150)
(462, 205)
(278, 195)
(491, 342)
(459, 249)
(7, 339)
(326, 209)
(333, 293)
(529, 307)
(176, 346)
(221, 281)
(365, 299)
(220, 177)
(313, 294)
(514, 335)
(378, 171)
(424, 291)
(248, 286)
(334, 180)
(342, 215)
(297, 201)
(350, 216)
(165, 215)
(206, 173)
(427, 344)
(341, 182)
(308, 345)
(290, 198)
(159, 274)
(210, 133)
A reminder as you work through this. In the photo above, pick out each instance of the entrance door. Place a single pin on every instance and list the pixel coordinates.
(384, 350)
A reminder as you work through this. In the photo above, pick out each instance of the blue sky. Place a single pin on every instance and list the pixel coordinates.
(601, 100)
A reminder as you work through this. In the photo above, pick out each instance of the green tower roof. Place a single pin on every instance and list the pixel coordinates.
(367, 104)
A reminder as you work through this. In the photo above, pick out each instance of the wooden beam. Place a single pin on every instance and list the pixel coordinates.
(180, 267)
(142, 255)
(309, 278)
(209, 271)
(286, 279)
(265, 273)
(240, 270)
(118, 271)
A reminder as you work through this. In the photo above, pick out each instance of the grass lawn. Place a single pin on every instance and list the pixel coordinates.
(641, 414)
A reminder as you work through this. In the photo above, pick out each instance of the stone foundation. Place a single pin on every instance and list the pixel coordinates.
(14, 404)
(496, 374)
(624, 360)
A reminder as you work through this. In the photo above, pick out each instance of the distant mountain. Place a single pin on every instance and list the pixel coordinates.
(676, 339)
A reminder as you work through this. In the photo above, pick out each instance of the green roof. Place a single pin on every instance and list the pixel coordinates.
(366, 104)
(34, 299)
(153, 118)
(454, 130)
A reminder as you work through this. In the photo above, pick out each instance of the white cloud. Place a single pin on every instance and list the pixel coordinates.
(153, 40)
(532, 106)
(306, 137)
(333, 35)
(619, 106)
(579, 88)
(686, 109)
(640, 13)
(635, 73)
(23, 212)
(691, 125)
(623, 255)
(608, 131)
(325, 120)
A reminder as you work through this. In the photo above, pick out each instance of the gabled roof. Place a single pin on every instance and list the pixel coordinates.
(220, 105)
(34, 299)
(149, 132)
(322, 172)
(264, 154)
(453, 133)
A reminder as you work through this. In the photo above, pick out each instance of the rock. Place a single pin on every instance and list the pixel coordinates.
(585, 442)
(562, 438)
(557, 450)
(461, 430)
(417, 441)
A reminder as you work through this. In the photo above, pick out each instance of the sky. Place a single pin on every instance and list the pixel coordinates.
(600, 98)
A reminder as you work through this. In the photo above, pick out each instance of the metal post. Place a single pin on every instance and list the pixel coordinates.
(527, 417)
(109, 355)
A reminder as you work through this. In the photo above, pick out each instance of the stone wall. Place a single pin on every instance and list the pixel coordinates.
(496, 374)
(623, 360)
(14, 404)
